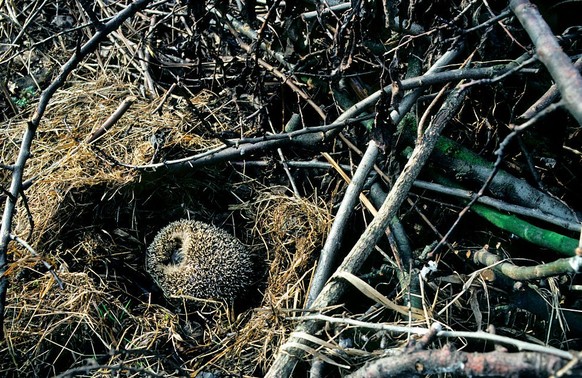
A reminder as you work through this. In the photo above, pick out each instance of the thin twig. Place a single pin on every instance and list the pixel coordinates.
(479, 335)
(500, 205)
(48, 266)
(312, 136)
(546, 99)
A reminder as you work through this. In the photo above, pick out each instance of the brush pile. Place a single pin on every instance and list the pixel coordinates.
(344, 143)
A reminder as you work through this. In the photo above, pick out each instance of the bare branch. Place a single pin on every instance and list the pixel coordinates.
(448, 361)
(550, 53)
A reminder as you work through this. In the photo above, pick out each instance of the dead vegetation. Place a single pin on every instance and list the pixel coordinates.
(258, 128)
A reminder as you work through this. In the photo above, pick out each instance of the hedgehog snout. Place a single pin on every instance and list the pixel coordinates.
(176, 249)
(177, 256)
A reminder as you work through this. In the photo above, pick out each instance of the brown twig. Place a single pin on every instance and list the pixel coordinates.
(113, 118)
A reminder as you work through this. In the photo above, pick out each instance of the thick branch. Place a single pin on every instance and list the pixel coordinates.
(550, 53)
(447, 361)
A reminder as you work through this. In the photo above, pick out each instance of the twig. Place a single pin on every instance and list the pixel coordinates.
(479, 335)
(46, 264)
(451, 157)
(307, 16)
(280, 75)
(492, 20)
(333, 241)
(500, 205)
(428, 110)
(541, 203)
(519, 67)
(283, 162)
(544, 238)
(546, 99)
(248, 32)
(379, 195)
(570, 265)
(311, 164)
(164, 98)
(550, 53)
(447, 361)
(113, 118)
(15, 42)
(312, 136)
(335, 236)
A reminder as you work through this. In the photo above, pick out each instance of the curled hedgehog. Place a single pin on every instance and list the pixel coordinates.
(195, 259)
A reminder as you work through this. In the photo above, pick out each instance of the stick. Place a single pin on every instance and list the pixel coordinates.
(550, 53)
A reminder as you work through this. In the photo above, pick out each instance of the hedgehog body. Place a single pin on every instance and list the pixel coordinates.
(195, 259)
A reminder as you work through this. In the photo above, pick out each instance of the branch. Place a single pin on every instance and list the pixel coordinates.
(500, 205)
(570, 265)
(46, 264)
(314, 136)
(457, 363)
(113, 118)
(335, 236)
(547, 98)
(422, 331)
(550, 53)
(453, 158)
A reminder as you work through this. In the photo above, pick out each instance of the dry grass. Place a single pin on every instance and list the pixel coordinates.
(50, 329)
(62, 162)
(291, 229)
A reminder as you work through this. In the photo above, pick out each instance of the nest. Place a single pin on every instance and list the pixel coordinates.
(92, 221)
(63, 164)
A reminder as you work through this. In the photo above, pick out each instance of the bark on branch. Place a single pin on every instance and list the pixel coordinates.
(550, 53)
(492, 364)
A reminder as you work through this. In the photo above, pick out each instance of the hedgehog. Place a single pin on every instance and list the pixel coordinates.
(195, 259)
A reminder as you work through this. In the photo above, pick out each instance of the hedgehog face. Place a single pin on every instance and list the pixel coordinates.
(175, 249)
(195, 259)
